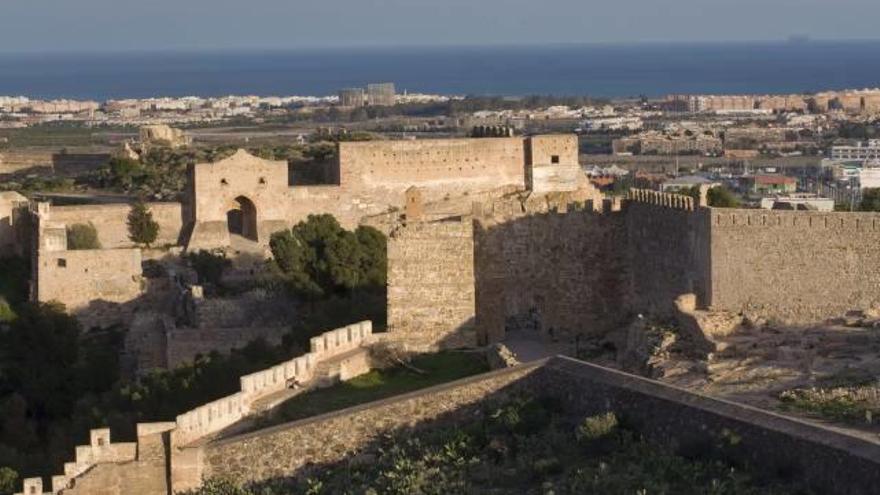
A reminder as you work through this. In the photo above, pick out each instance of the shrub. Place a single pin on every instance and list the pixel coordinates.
(596, 427)
(82, 236)
(6, 312)
(8, 477)
(208, 266)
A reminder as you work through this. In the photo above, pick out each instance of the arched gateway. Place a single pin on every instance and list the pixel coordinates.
(241, 218)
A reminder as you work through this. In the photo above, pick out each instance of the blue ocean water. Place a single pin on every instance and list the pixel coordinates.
(597, 70)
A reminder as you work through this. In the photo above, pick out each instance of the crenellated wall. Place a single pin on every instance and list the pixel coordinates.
(554, 268)
(144, 466)
(667, 250)
(794, 266)
(215, 416)
(104, 467)
(549, 275)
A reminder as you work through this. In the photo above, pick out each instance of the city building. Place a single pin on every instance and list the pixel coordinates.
(381, 94)
(770, 184)
(687, 182)
(352, 97)
(869, 177)
(798, 202)
(860, 152)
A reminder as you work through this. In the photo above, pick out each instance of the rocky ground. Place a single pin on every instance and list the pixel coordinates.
(827, 373)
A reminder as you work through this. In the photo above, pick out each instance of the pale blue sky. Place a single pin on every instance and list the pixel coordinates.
(64, 25)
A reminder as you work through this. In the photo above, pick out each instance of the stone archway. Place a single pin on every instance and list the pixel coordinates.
(241, 218)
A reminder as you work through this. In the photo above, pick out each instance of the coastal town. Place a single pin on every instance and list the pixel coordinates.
(818, 151)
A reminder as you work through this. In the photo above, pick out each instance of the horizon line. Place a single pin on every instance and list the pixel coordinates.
(794, 40)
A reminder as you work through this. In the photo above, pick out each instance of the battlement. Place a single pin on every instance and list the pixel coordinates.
(217, 415)
(209, 418)
(100, 450)
(667, 200)
(728, 218)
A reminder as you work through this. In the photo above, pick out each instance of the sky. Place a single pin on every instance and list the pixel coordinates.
(148, 25)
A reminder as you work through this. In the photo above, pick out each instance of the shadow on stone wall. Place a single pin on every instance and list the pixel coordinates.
(552, 276)
(693, 426)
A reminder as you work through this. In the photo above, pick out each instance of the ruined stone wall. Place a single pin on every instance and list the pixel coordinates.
(667, 251)
(794, 266)
(551, 275)
(110, 220)
(89, 279)
(184, 344)
(25, 161)
(437, 167)
(10, 205)
(107, 468)
(431, 285)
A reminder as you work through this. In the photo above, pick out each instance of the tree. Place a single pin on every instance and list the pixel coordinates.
(721, 197)
(142, 229)
(122, 172)
(870, 199)
(318, 257)
(82, 236)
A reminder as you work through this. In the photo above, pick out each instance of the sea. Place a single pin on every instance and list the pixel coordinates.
(599, 70)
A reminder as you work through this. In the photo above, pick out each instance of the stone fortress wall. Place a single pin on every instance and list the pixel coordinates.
(110, 220)
(143, 466)
(11, 204)
(554, 266)
(575, 270)
(431, 287)
(372, 177)
(794, 266)
(158, 463)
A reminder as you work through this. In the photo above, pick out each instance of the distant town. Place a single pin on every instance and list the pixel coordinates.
(814, 151)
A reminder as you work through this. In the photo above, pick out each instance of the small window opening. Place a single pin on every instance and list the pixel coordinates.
(262, 180)
(554, 159)
(62, 263)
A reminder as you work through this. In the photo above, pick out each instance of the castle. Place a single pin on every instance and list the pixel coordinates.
(487, 237)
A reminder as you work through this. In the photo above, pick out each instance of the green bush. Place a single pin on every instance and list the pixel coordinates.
(596, 427)
(7, 314)
(8, 478)
(82, 236)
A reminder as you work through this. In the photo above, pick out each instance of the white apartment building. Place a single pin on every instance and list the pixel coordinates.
(860, 152)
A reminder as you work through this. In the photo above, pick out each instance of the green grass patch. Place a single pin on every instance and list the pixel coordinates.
(439, 368)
